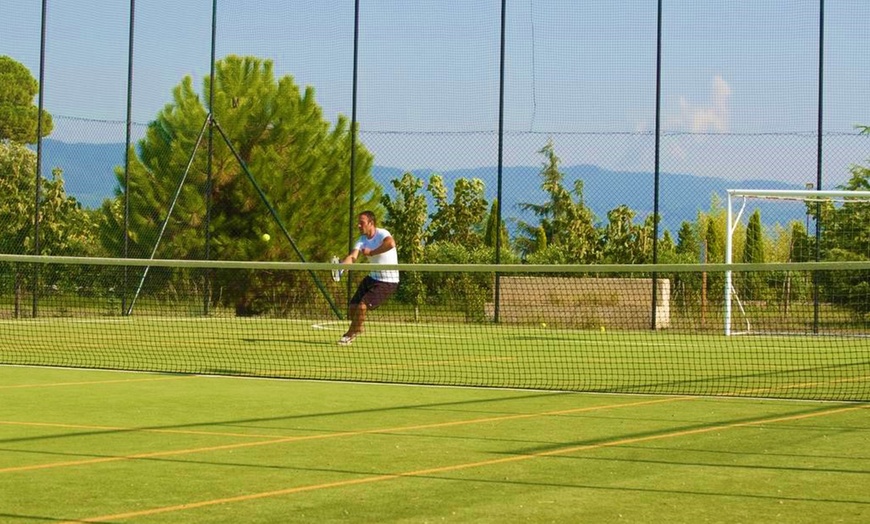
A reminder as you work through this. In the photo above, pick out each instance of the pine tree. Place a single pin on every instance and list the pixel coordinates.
(753, 253)
(299, 160)
(493, 225)
(688, 243)
(569, 224)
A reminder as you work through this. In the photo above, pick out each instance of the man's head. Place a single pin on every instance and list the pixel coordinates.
(366, 223)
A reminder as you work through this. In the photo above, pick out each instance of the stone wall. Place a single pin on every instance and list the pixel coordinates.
(624, 303)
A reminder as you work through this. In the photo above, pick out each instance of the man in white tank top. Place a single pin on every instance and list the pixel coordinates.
(378, 246)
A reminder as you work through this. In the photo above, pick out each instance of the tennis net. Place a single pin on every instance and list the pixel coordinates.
(660, 329)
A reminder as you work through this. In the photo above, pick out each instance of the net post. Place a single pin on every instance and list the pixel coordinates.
(728, 254)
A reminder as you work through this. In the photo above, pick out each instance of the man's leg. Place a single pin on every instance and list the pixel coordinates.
(370, 295)
(357, 318)
(357, 312)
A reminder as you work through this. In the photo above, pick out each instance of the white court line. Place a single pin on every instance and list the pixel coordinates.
(65, 320)
(380, 329)
(328, 325)
(131, 320)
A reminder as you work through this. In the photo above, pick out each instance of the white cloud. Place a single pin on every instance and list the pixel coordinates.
(713, 116)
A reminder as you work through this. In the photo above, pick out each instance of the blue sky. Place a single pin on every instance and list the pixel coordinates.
(739, 77)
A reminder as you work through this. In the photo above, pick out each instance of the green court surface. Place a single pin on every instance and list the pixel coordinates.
(108, 446)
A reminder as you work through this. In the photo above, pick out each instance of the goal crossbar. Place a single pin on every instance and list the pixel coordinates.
(800, 194)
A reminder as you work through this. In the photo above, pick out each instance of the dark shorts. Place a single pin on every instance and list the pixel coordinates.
(373, 292)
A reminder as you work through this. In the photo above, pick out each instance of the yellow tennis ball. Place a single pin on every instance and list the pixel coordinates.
(543, 324)
(266, 237)
(603, 329)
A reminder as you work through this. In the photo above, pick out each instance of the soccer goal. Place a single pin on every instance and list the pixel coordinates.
(791, 207)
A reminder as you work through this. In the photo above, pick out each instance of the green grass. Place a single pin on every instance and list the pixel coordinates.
(485, 354)
(101, 446)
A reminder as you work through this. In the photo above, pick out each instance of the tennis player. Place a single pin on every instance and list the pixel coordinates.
(378, 246)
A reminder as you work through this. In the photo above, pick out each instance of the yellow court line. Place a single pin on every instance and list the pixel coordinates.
(121, 429)
(283, 440)
(457, 467)
(92, 382)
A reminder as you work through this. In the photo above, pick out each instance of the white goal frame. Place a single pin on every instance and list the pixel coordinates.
(805, 195)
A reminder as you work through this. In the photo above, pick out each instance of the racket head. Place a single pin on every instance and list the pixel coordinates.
(336, 273)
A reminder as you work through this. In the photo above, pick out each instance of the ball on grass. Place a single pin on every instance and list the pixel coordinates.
(266, 237)
(543, 324)
(603, 329)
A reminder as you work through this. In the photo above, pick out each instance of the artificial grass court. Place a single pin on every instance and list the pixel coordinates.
(476, 354)
(105, 446)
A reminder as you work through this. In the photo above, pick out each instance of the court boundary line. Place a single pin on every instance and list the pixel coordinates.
(462, 466)
(323, 436)
(92, 382)
(121, 429)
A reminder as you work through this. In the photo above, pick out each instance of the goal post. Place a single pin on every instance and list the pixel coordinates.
(733, 220)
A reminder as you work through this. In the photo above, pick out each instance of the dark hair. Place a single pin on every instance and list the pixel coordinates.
(369, 215)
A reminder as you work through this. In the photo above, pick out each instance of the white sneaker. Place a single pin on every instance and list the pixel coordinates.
(346, 340)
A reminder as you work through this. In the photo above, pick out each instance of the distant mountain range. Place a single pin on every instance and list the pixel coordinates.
(88, 171)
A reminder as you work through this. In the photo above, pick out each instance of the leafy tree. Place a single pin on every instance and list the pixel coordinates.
(686, 286)
(405, 218)
(793, 245)
(540, 240)
(569, 224)
(625, 242)
(846, 237)
(847, 227)
(458, 221)
(297, 158)
(850, 289)
(17, 185)
(666, 247)
(18, 115)
(714, 228)
(646, 234)
(466, 292)
(65, 229)
(620, 235)
(801, 245)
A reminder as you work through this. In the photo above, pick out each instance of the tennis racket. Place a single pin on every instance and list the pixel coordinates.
(336, 273)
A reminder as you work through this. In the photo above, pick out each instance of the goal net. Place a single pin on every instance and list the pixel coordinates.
(793, 231)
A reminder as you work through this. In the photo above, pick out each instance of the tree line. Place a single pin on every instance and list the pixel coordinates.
(300, 161)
